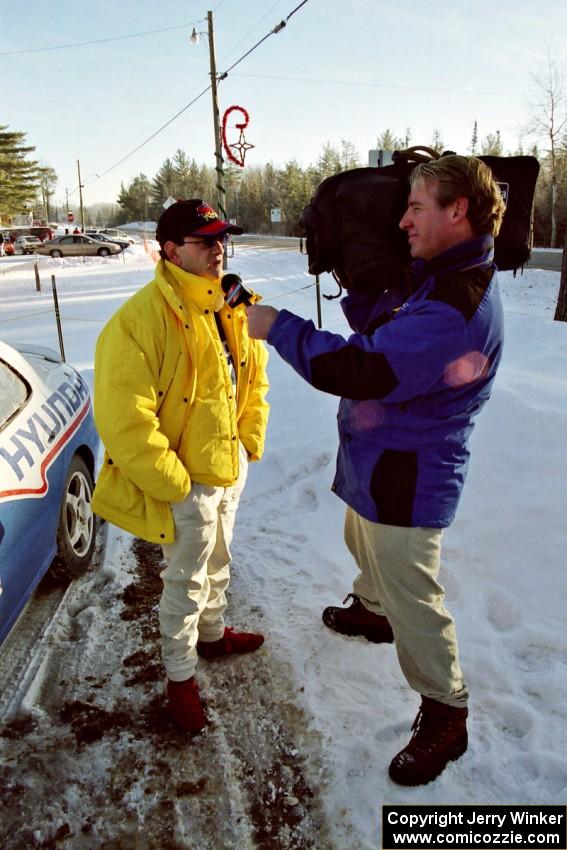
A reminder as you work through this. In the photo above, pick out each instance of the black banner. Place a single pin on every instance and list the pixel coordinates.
(478, 827)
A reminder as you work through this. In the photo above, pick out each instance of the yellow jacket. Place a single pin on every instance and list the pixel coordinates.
(163, 400)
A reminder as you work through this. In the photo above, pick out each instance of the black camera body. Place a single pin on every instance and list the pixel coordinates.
(352, 222)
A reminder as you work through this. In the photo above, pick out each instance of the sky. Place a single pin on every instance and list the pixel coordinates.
(348, 707)
(336, 71)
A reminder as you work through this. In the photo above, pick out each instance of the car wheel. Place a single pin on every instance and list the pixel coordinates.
(76, 531)
(55, 253)
(103, 252)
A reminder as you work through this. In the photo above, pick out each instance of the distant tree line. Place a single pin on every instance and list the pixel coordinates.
(25, 185)
(252, 192)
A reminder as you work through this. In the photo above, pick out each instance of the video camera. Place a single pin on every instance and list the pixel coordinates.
(352, 222)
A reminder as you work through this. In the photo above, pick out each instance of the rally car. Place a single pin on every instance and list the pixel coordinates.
(48, 452)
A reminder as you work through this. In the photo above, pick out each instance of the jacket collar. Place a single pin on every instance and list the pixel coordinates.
(472, 254)
(176, 283)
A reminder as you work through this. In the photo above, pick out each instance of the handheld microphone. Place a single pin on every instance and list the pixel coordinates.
(234, 290)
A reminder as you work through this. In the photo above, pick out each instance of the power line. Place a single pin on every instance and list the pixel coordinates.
(278, 28)
(141, 145)
(373, 85)
(258, 22)
(95, 41)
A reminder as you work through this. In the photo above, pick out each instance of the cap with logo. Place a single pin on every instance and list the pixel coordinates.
(192, 217)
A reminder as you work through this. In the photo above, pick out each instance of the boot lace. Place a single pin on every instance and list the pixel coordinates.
(352, 596)
(429, 731)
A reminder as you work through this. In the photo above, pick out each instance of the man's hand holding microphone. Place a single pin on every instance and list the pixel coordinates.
(260, 319)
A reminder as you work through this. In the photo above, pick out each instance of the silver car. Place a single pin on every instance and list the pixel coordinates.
(28, 244)
(78, 245)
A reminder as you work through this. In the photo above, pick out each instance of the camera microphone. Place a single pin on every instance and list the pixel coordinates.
(234, 290)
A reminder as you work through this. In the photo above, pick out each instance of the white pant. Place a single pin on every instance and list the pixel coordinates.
(196, 578)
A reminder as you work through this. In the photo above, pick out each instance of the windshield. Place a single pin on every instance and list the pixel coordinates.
(14, 393)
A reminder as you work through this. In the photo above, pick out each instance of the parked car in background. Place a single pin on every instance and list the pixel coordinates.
(102, 237)
(78, 245)
(27, 244)
(48, 451)
(113, 232)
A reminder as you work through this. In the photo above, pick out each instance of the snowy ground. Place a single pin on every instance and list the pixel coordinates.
(330, 710)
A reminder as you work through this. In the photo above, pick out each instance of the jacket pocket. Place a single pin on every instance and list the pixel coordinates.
(393, 486)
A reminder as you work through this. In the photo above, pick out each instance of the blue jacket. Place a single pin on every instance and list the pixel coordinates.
(411, 377)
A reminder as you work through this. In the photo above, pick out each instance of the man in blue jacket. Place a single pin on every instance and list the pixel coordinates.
(413, 375)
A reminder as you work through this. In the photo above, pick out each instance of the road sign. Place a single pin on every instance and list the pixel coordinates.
(379, 158)
(276, 215)
(70, 218)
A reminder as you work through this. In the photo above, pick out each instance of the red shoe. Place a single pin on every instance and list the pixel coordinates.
(230, 643)
(185, 706)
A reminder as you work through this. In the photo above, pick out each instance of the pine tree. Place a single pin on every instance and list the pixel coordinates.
(296, 190)
(19, 177)
(387, 141)
(164, 185)
(48, 180)
(474, 140)
(232, 178)
(492, 145)
(329, 162)
(437, 142)
(349, 157)
(136, 199)
(253, 212)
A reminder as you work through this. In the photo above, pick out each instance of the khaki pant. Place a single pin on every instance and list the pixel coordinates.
(398, 578)
(197, 575)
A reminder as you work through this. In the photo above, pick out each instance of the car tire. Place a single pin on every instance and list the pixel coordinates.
(103, 252)
(76, 530)
(56, 253)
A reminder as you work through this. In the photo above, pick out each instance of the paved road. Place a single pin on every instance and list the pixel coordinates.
(541, 258)
(546, 258)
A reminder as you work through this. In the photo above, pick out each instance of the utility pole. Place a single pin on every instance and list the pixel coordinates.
(219, 168)
(81, 198)
(66, 200)
(44, 199)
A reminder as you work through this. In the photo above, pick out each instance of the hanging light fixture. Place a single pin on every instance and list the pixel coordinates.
(194, 39)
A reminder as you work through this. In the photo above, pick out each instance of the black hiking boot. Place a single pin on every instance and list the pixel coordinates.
(358, 620)
(440, 736)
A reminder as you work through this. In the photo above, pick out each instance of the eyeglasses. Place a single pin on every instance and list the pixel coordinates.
(208, 241)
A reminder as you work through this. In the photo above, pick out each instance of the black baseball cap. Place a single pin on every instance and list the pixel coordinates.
(192, 217)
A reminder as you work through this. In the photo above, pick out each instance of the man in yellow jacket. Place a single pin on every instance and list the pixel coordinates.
(180, 407)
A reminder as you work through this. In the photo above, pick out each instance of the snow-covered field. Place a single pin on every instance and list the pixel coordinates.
(503, 567)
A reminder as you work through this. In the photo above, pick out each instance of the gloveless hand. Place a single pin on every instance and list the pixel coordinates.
(260, 320)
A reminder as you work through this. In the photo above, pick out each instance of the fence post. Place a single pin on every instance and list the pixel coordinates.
(37, 280)
(58, 317)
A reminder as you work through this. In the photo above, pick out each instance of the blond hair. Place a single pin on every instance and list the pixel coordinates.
(466, 177)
